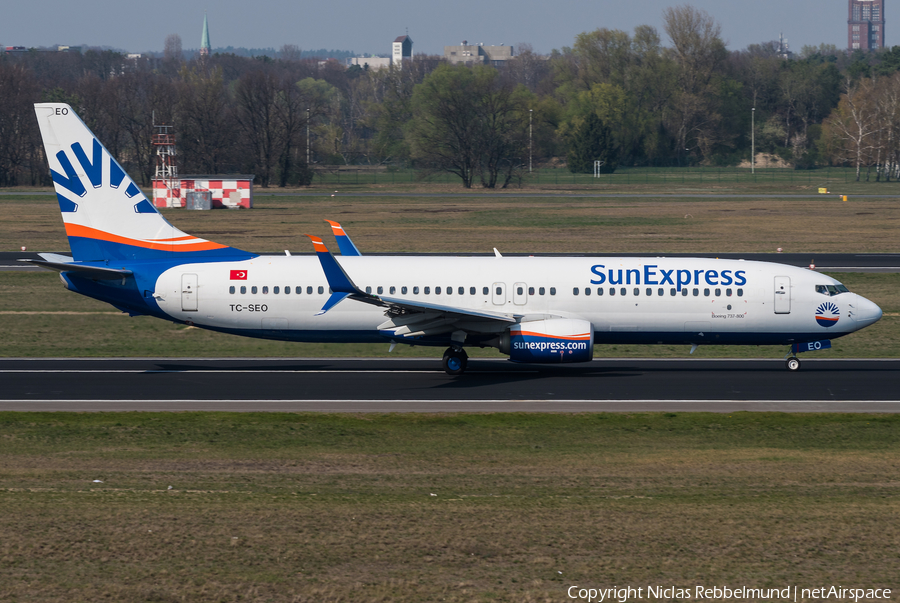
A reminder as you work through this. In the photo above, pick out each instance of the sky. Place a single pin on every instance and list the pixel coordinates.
(370, 27)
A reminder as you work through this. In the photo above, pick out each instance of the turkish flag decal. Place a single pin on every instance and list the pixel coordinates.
(238, 275)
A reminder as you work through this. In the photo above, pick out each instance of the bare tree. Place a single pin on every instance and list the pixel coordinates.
(698, 50)
(853, 124)
(172, 49)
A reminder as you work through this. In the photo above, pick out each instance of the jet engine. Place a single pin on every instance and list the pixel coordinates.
(549, 341)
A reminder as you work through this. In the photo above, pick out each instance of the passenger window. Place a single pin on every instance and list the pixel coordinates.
(243, 290)
(368, 290)
(612, 290)
(740, 293)
(287, 290)
(661, 292)
(649, 291)
(672, 291)
(728, 292)
(298, 290)
(587, 290)
(462, 291)
(575, 291)
(471, 290)
(484, 291)
(231, 289)
(541, 291)
(623, 291)
(684, 292)
(706, 293)
(449, 290)
(266, 290)
(309, 290)
(530, 290)
(520, 291)
(499, 290)
(552, 290)
(718, 293)
(380, 290)
(599, 290)
(637, 291)
(393, 290)
(415, 290)
(276, 290)
(253, 289)
(321, 290)
(428, 290)
(696, 292)
(403, 290)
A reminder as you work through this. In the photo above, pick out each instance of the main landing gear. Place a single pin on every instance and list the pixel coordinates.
(455, 360)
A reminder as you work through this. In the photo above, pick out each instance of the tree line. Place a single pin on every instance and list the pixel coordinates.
(644, 98)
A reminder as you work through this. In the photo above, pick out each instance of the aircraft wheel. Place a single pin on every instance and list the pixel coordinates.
(792, 364)
(455, 361)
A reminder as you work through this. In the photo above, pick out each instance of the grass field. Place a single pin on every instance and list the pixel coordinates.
(275, 507)
(515, 224)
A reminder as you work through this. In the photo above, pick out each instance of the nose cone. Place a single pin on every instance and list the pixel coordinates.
(867, 312)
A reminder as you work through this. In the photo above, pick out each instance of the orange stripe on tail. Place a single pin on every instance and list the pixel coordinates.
(77, 230)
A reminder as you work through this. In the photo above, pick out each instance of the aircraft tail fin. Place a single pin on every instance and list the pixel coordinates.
(106, 215)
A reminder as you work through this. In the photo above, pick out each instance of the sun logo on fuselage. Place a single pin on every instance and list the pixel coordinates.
(827, 314)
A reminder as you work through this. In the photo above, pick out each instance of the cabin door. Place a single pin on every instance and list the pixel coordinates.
(782, 295)
(189, 292)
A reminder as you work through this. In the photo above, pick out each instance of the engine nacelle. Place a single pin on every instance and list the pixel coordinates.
(549, 341)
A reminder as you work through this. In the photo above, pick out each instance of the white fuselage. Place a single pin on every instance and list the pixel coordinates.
(656, 300)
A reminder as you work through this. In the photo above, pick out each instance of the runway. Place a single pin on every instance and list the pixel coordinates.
(418, 385)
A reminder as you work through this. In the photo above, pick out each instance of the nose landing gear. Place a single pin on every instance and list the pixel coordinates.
(455, 361)
(792, 363)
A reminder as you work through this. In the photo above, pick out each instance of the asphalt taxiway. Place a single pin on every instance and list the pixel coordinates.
(418, 385)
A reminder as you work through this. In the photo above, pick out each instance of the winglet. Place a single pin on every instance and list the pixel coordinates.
(346, 245)
(340, 283)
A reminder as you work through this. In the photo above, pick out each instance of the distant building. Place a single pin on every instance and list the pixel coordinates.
(865, 24)
(401, 50)
(204, 38)
(370, 63)
(472, 54)
(231, 191)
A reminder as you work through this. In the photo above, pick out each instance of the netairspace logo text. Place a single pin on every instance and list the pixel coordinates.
(722, 593)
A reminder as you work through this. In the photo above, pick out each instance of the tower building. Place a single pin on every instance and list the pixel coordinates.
(865, 24)
(204, 39)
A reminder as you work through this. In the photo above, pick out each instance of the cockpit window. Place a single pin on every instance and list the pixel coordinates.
(832, 290)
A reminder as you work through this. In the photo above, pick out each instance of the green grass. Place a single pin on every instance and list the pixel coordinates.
(624, 178)
(491, 507)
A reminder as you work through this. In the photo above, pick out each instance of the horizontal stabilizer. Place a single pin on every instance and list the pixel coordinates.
(97, 272)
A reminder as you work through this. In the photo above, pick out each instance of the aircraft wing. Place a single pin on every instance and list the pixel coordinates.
(406, 317)
(62, 263)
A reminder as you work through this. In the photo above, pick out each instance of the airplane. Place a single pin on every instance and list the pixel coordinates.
(533, 309)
